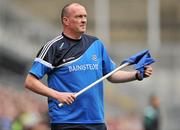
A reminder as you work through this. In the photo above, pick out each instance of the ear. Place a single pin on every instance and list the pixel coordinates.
(66, 20)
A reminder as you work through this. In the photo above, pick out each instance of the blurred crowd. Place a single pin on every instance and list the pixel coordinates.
(20, 110)
(130, 121)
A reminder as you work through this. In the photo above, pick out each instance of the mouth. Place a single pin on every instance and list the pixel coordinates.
(83, 26)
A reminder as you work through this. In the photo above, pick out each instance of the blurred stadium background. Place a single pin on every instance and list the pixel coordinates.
(126, 26)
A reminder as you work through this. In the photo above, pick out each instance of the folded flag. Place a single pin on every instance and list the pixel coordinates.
(140, 60)
(145, 60)
(134, 59)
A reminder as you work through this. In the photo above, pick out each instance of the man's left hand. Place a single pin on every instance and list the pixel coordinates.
(148, 71)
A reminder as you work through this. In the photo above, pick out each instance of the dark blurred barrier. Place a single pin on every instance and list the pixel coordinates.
(12, 62)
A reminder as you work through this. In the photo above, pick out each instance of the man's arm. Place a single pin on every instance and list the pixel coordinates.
(37, 86)
(126, 76)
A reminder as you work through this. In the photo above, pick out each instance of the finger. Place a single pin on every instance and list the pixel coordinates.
(68, 101)
(71, 99)
(148, 67)
(148, 73)
(73, 96)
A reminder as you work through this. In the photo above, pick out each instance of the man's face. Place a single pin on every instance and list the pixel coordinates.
(77, 19)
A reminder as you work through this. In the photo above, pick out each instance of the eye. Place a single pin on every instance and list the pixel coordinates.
(84, 16)
(81, 16)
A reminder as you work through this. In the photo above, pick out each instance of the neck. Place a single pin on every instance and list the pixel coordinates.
(70, 38)
(72, 35)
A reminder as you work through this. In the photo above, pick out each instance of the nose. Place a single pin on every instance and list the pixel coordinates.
(84, 19)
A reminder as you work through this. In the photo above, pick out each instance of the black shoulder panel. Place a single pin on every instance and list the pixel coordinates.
(68, 49)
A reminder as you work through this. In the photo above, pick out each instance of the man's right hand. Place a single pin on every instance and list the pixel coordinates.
(37, 86)
(66, 98)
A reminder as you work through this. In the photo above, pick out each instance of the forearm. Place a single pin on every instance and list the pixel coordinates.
(122, 76)
(38, 87)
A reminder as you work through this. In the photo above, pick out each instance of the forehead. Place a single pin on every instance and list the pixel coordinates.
(76, 9)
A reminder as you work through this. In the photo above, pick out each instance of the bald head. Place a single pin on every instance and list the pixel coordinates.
(74, 20)
(66, 10)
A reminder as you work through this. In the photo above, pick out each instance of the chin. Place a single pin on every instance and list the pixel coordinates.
(82, 31)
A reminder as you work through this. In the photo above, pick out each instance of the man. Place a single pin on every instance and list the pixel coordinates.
(72, 61)
(152, 114)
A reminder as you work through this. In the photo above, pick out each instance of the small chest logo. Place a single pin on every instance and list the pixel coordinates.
(68, 59)
(94, 57)
(60, 48)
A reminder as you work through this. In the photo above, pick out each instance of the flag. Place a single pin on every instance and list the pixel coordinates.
(140, 60)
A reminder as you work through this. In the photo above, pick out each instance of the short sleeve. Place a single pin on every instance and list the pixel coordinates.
(43, 62)
(107, 63)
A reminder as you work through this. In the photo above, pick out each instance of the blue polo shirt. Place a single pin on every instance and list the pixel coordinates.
(72, 65)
